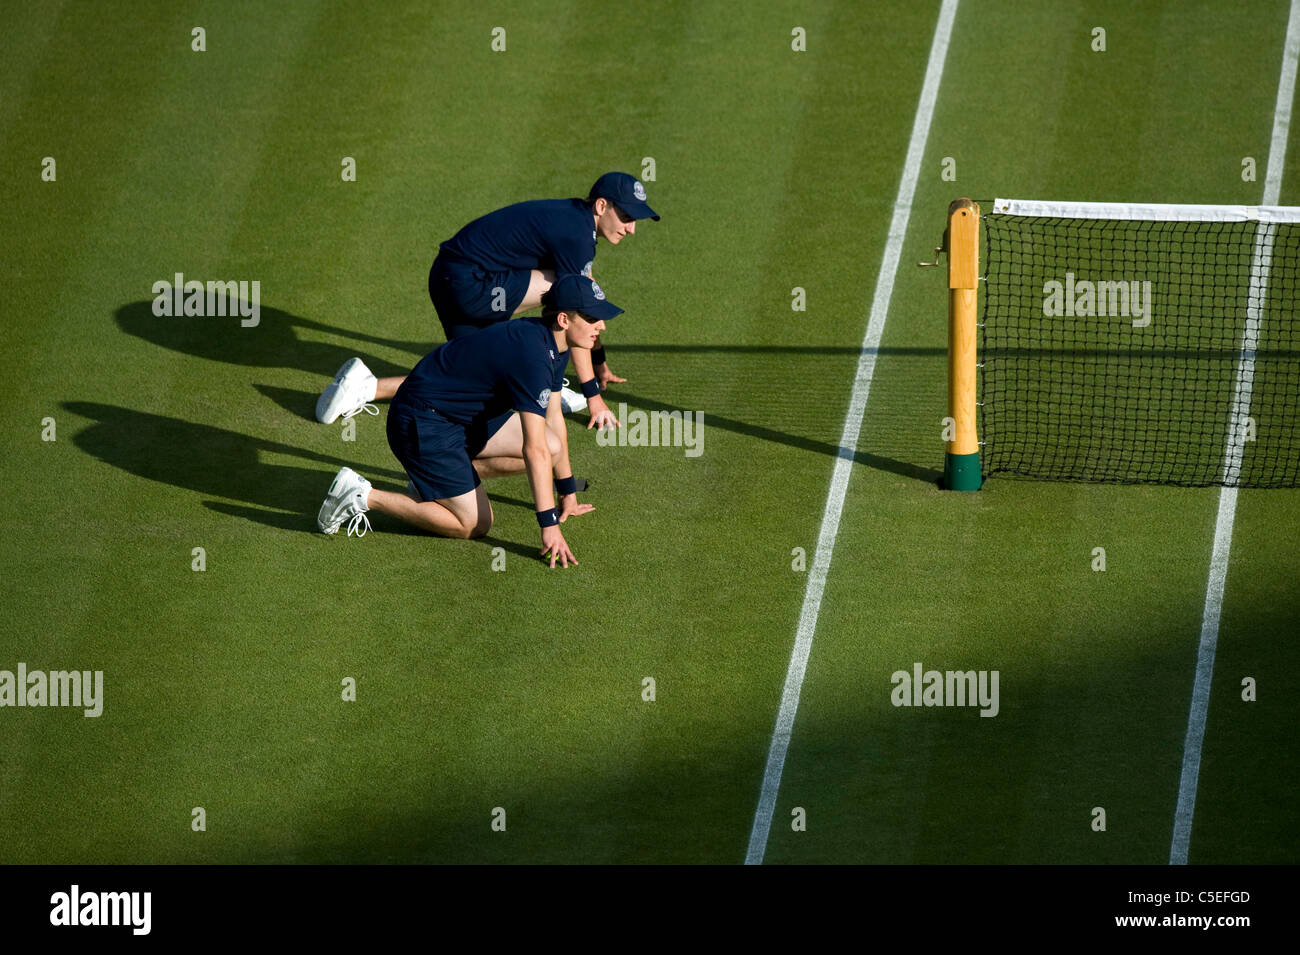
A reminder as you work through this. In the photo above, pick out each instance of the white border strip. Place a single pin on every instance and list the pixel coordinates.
(1205, 653)
(1282, 111)
(1156, 211)
(1261, 264)
(849, 439)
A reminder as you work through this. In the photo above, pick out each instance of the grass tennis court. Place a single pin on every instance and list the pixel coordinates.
(522, 688)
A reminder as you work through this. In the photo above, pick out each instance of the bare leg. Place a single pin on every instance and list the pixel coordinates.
(499, 466)
(504, 452)
(539, 282)
(387, 387)
(466, 515)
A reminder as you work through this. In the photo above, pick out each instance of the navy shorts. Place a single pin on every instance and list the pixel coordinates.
(436, 453)
(463, 294)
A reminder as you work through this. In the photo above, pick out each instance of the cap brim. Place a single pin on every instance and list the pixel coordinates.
(639, 210)
(602, 311)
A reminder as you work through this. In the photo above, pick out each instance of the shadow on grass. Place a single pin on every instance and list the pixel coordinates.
(879, 462)
(499, 499)
(300, 403)
(213, 461)
(272, 343)
(915, 787)
(523, 550)
(227, 464)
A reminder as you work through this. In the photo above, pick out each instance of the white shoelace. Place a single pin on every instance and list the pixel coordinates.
(359, 524)
(368, 409)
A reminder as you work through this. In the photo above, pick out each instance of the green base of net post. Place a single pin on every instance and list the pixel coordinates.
(961, 472)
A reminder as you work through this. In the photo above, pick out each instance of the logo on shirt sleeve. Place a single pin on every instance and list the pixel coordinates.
(586, 270)
(544, 397)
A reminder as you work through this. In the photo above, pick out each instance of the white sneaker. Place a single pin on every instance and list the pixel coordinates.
(346, 501)
(570, 400)
(348, 394)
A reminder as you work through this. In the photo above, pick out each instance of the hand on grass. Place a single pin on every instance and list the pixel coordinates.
(601, 416)
(555, 547)
(604, 376)
(569, 507)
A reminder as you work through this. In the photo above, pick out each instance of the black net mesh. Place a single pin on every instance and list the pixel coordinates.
(1121, 351)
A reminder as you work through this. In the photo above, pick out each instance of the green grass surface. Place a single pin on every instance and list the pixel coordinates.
(522, 689)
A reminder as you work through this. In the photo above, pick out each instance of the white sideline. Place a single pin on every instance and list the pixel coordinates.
(849, 439)
(1260, 263)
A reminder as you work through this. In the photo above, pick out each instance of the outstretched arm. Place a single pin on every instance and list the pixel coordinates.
(537, 460)
(603, 373)
(601, 416)
(569, 506)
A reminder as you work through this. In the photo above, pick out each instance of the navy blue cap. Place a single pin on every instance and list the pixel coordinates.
(577, 293)
(624, 191)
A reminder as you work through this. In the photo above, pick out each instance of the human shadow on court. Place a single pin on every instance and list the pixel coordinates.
(877, 461)
(227, 464)
(273, 343)
(300, 403)
(214, 461)
(523, 550)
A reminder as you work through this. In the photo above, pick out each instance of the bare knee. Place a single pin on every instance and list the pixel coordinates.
(472, 531)
(480, 529)
(553, 441)
(483, 518)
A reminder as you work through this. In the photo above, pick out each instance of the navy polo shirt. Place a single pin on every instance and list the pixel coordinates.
(507, 366)
(552, 234)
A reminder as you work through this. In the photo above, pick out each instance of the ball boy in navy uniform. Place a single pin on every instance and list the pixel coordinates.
(444, 425)
(499, 266)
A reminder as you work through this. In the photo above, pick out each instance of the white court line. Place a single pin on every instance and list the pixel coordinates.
(1259, 270)
(812, 599)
